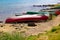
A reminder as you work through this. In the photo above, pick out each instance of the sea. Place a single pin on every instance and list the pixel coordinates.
(6, 12)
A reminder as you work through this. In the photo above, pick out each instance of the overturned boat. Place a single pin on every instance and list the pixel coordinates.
(26, 18)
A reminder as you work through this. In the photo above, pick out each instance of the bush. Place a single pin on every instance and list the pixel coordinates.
(54, 29)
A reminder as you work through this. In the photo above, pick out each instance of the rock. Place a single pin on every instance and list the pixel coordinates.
(31, 24)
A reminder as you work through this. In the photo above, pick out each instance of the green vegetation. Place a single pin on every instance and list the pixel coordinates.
(18, 36)
(32, 37)
(13, 36)
(53, 34)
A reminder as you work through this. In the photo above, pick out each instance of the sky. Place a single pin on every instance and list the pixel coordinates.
(10, 7)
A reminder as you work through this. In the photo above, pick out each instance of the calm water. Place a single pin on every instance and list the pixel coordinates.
(9, 11)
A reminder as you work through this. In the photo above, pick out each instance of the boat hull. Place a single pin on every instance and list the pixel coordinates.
(12, 20)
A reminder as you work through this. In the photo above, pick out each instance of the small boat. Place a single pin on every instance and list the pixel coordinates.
(26, 18)
(57, 12)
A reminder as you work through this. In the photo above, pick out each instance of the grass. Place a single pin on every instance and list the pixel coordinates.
(53, 34)
(32, 37)
(13, 36)
(17, 36)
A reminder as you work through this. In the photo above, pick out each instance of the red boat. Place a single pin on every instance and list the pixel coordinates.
(26, 18)
(57, 12)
